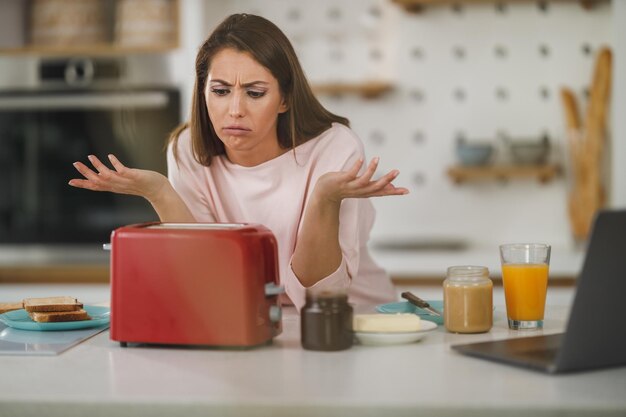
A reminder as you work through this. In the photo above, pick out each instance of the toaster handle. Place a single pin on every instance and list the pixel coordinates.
(106, 246)
(271, 289)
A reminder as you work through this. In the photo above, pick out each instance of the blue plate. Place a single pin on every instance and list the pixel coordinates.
(19, 319)
(406, 307)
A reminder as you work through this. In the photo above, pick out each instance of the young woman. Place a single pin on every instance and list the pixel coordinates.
(260, 148)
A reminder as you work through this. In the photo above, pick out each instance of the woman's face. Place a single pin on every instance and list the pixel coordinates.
(244, 100)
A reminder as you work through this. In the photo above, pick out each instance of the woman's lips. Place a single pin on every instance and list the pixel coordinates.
(235, 130)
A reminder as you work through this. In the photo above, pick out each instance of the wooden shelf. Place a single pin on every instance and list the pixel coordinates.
(127, 42)
(89, 50)
(368, 90)
(417, 6)
(543, 173)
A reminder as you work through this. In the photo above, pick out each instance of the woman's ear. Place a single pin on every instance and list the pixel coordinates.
(283, 106)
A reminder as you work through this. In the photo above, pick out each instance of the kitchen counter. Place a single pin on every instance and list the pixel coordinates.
(99, 378)
(407, 263)
(90, 263)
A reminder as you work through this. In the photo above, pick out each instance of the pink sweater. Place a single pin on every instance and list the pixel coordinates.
(275, 194)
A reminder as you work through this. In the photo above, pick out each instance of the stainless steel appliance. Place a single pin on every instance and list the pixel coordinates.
(82, 107)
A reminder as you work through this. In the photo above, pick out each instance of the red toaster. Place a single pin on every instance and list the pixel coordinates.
(211, 284)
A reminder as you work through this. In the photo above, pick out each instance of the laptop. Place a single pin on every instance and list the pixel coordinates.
(595, 336)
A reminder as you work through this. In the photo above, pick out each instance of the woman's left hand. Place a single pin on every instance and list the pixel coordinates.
(335, 186)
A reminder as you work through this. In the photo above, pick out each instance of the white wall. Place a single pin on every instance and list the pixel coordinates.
(197, 20)
(618, 195)
(414, 128)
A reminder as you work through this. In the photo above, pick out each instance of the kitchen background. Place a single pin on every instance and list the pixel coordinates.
(414, 83)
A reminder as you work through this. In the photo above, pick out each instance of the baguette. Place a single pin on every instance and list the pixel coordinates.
(52, 304)
(4, 307)
(59, 316)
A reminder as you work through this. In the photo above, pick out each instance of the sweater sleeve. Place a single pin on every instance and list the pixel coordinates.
(185, 174)
(355, 218)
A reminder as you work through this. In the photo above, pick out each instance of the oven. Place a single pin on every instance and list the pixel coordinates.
(74, 114)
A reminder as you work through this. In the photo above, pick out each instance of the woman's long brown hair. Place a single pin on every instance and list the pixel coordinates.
(305, 117)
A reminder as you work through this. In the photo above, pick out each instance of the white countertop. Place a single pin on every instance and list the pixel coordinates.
(99, 378)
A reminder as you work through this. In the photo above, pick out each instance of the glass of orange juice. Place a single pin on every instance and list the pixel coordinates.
(525, 280)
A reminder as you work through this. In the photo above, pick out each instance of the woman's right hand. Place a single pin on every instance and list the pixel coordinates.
(120, 179)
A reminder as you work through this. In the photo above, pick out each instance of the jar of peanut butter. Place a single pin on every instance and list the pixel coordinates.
(468, 299)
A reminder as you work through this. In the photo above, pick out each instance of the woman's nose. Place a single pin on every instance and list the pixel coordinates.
(236, 105)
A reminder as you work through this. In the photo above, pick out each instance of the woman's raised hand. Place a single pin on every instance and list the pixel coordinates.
(120, 179)
(335, 186)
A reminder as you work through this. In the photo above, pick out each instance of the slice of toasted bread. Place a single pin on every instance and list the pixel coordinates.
(52, 304)
(57, 316)
(4, 307)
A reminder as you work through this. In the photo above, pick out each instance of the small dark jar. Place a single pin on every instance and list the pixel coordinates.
(326, 321)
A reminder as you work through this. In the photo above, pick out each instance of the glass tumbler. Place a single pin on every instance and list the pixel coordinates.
(525, 279)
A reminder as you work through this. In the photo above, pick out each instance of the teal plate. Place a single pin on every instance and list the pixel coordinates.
(406, 307)
(19, 319)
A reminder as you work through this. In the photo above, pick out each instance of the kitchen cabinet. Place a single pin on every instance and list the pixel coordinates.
(93, 27)
(54, 264)
(65, 273)
(406, 265)
(421, 267)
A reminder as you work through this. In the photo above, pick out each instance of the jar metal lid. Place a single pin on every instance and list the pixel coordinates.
(468, 274)
(468, 271)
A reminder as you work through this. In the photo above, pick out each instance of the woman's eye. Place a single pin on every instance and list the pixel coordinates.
(219, 91)
(256, 94)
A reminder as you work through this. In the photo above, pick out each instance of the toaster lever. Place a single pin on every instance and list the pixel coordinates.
(275, 314)
(271, 289)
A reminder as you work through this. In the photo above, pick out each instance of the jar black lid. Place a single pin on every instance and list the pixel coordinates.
(319, 294)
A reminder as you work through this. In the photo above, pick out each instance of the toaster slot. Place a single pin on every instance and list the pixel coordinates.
(198, 226)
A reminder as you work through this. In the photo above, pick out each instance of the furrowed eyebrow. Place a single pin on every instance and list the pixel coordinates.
(227, 84)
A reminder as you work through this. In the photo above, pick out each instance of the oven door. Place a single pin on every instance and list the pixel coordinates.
(43, 133)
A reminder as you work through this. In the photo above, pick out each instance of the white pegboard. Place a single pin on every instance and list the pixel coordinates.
(335, 40)
(482, 70)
